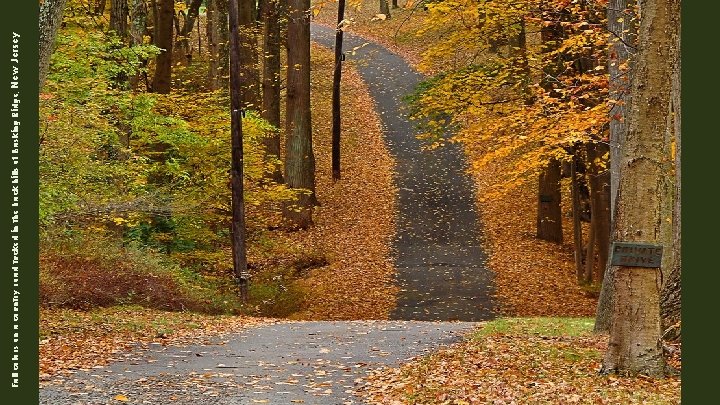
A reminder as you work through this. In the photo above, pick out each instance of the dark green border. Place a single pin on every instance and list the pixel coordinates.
(21, 18)
(700, 282)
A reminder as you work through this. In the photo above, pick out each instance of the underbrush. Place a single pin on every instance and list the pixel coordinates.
(79, 270)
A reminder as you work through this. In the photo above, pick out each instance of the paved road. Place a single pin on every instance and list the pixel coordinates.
(440, 267)
(286, 363)
(439, 261)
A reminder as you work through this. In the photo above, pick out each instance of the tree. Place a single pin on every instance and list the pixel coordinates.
(51, 12)
(621, 24)
(646, 194)
(299, 158)
(271, 12)
(183, 37)
(163, 40)
(549, 218)
(118, 17)
(217, 34)
(249, 54)
(337, 75)
(238, 85)
(385, 8)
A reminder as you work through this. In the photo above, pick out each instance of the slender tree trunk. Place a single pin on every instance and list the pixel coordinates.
(163, 39)
(137, 28)
(395, 4)
(549, 219)
(645, 198)
(51, 12)
(183, 38)
(577, 226)
(337, 76)
(238, 85)
(590, 253)
(118, 18)
(271, 13)
(249, 54)
(299, 158)
(599, 179)
(99, 8)
(621, 23)
(218, 36)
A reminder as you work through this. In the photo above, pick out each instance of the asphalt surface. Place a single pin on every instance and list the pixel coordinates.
(286, 363)
(440, 263)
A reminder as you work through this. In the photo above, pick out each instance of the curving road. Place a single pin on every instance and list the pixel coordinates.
(439, 261)
(439, 264)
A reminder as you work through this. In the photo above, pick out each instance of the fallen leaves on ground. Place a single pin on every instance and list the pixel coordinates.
(354, 225)
(519, 361)
(72, 340)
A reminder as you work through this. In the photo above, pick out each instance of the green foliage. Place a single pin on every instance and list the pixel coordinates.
(537, 326)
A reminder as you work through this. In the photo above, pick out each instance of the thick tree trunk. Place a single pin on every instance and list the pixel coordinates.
(218, 36)
(183, 38)
(249, 54)
(271, 12)
(163, 40)
(51, 12)
(299, 158)
(118, 18)
(337, 76)
(621, 23)
(645, 198)
(670, 295)
(238, 85)
(549, 219)
(385, 8)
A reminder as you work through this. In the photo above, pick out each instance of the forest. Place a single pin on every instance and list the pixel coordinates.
(360, 201)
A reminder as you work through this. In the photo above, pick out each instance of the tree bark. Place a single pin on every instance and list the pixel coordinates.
(395, 4)
(218, 36)
(599, 179)
(385, 9)
(118, 18)
(249, 54)
(337, 76)
(621, 23)
(238, 85)
(299, 158)
(645, 198)
(577, 226)
(51, 12)
(671, 292)
(549, 220)
(271, 13)
(183, 38)
(163, 40)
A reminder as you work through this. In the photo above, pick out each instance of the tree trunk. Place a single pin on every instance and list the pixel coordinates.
(138, 26)
(385, 8)
(577, 226)
(549, 220)
(599, 179)
(670, 295)
(99, 8)
(271, 12)
(621, 23)
(395, 4)
(238, 85)
(183, 38)
(118, 18)
(590, 253)
(163, 40)
(51, 12)
(645, 198)
(217, 33)
(299, 158)
(249, 54)
(337, 76)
